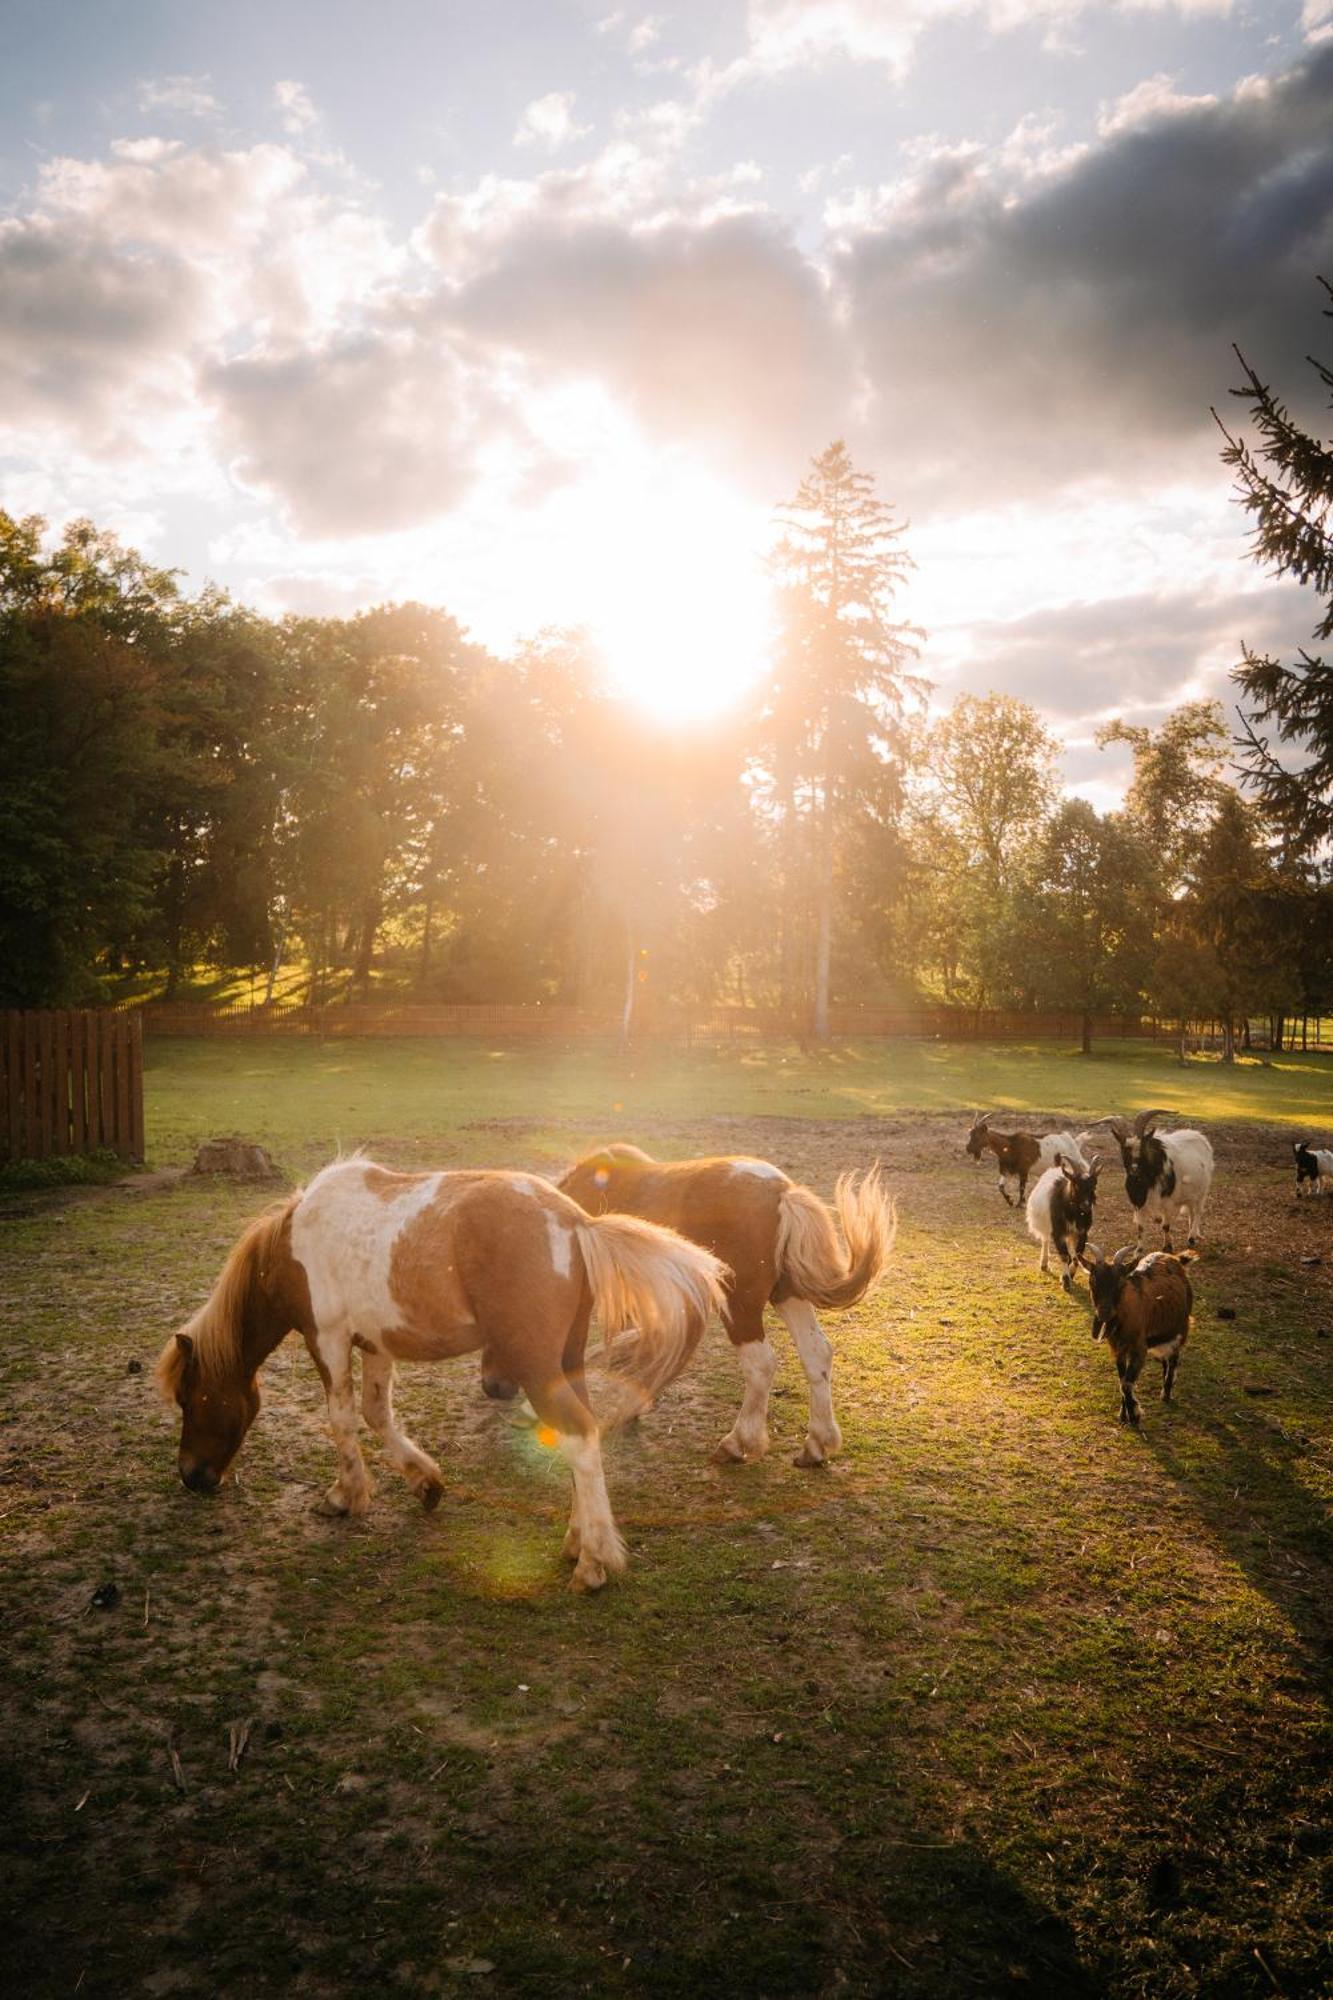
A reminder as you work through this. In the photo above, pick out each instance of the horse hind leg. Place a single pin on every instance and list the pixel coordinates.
(823, 1437)
(417, 1467)
(748, 1436)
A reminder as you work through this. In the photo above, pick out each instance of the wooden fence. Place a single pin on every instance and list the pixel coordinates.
(684, 1026)
(71, 1083)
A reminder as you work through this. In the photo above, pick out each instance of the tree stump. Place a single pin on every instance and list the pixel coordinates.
(235, 1159)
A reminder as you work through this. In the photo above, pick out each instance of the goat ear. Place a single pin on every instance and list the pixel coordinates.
(1090, 1263)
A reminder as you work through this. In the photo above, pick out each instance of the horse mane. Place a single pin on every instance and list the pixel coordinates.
(217, 1329)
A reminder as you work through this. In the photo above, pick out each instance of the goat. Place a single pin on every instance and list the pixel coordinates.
(1313, 1166)
(1166, 1177)
(1060, 1207)
(1142, 1306)
(1017, 1153)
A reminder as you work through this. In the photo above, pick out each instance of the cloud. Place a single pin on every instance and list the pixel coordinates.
(298, 112)
(187, 96)
(1133, 655)
(549, 121)
(1030, 325)
(789, 34)
(367, 434)
(714, 331)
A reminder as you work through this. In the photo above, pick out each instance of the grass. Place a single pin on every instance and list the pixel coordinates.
(304, 1097)
(1006, 1700)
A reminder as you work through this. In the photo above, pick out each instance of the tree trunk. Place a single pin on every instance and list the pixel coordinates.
(1228, 1039)
(371, 913)
(1087, 1033)
(423, 963)
(627, 1012)
(824, 906)
(275, 968)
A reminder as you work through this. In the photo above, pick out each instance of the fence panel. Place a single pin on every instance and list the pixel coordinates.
(70, 1083)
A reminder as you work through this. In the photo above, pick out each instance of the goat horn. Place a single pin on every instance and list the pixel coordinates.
(1119, 1127)
(1126, 1259)
(1146, 1119)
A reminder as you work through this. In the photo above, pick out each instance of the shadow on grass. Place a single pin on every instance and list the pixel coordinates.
(1253, 1501)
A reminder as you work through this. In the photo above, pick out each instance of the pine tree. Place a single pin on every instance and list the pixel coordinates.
(842, 682)
(1285, 483)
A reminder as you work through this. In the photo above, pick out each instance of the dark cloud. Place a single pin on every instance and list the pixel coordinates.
(1075, 321)
(84, 321)
(1130, 654)
(717, 333)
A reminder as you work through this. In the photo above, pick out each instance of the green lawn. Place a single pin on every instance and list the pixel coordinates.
(1006, 1700)
(305, 1098)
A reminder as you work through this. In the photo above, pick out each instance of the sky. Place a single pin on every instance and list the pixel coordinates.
(537, 310)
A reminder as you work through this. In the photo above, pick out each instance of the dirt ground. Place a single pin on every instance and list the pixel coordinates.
(1007, 1699)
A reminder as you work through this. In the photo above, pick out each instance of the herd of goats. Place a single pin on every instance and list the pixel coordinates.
(388, 1266)
(1141, 1302)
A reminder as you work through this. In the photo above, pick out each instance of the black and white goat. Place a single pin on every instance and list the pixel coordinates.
(1167, 1176)
(1060, 1214)
(1017, 1153)
(1314, 1167)
(1142, 1306)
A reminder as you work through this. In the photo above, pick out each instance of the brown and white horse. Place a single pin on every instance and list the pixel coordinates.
(782, 1246)
(419, 1267)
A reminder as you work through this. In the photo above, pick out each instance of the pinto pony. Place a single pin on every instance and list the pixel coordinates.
(783, 1249)
(419, 1267)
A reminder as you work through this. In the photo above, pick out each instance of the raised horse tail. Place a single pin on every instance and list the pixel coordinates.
(819, 1266)
(659, 1283)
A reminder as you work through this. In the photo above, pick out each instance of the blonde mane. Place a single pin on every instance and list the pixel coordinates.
(217, 1329)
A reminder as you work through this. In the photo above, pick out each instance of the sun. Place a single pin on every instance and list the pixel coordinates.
(682, 615)
(652, 553)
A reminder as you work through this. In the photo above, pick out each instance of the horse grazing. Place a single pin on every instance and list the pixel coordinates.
(420, 1267)
(782, 1246)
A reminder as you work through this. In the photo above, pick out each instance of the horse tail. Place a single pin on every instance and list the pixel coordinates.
(822, 1269)
(660, 1284)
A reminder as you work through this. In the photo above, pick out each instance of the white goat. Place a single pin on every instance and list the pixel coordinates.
(1167, 1178)
(1059, 1214)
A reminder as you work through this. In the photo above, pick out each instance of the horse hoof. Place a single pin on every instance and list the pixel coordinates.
(589, 1576)
(807, 1458)
(728, 1453)
(331, 1507)
(431, 1495)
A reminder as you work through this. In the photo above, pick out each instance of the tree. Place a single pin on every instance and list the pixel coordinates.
(1285, 484)
(86, 638)
(983, 786)
(1088, 932)
(1177, 785)
(841, 683)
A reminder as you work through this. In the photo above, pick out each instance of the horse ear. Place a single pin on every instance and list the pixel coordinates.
(186, 1346)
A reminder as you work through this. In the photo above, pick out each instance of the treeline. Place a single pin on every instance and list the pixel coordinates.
(377, 798)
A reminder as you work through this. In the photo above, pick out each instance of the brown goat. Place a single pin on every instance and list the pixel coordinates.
(1017, 1153)
(1142, 1305)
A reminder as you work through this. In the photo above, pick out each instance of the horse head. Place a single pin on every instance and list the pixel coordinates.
(216, 1412)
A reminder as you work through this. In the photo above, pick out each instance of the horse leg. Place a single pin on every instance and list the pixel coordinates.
(420, 1471)
(600, 1547)
(572, 1362)
(748, 1436)
(822, 1437)
(351, 1490)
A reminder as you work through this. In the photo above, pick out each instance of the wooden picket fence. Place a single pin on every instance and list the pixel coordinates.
(71, 1083)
